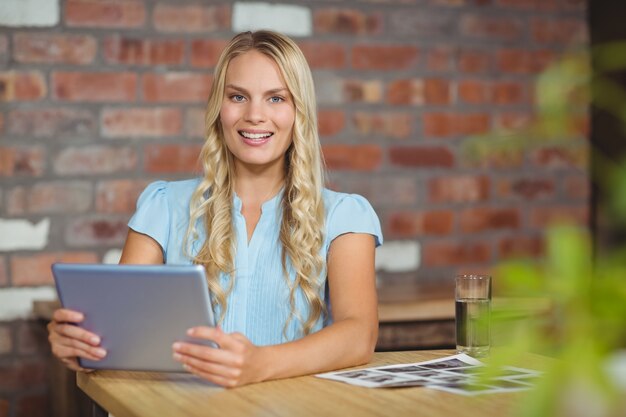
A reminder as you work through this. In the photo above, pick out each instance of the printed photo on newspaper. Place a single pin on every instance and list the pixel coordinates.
(458, 374)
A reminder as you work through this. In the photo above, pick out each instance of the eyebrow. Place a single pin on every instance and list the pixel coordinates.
(243, 90)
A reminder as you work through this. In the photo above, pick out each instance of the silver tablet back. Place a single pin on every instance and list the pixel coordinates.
(139, 311)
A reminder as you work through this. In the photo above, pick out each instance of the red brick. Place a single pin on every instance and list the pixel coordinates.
(22, 86)
(171, 158)
(94, 159)
(331, 122)
(52, 122)
(436, 91)
(206, 52)
(473, 91)
(31, 338)
(517, 246)
(439, 59)
(96, 231)
(384, 191)
(194, 122)
(324, 55)
(4, 407)
(51, 197)
(94, 86)
(34, 269)
(542, 59)
(4, 281)
(455, 253)
(515, 61)
(4, 49)
(474, 61)
(561, 31)
(105, 13)
(22, 161)
(353, 157)
(49, 48)
(141, 122)
(555, 157)
(22, 374)
(526, 188)
(383, 57)
(191, 18)
(459, 189)
(482, 219)
(394, 125)
(491, 27)
(508, 92)
(6, 340)
(134, 51)
(362, 91)
(118, 196)
(542, 217)
(421, 156)
(443, 125)
(407, 91)
(518, 4)
(179, 87)
(578, 187)
(33, 405)
(346, 21)
(412, 224)
(408, 24)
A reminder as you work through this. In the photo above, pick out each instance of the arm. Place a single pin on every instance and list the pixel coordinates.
(67, 339)
(349, 341)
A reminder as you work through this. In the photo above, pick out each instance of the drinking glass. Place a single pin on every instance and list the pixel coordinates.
(473, 311)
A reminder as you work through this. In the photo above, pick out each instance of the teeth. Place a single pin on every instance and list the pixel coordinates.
(255, 135)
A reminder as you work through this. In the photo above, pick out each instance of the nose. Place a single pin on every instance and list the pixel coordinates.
(255, 112)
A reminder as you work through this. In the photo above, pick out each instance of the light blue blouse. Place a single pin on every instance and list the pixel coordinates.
(258, 305)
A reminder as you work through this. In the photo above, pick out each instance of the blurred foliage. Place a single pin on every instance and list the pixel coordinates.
(586, 321)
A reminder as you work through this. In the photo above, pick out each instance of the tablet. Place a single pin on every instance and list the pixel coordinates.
(138, 311)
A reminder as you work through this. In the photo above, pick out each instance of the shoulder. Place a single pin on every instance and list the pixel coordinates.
(173, 191)
(350, 213)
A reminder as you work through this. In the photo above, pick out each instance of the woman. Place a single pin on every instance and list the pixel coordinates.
(278, 248)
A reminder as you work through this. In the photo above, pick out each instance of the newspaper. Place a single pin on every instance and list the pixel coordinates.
(458, 374)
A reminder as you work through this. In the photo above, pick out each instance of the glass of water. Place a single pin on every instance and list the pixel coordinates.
(473, 314)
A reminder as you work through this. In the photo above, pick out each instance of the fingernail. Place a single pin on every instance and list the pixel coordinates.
(101, 352)
(176, 346)
(190, 331)
(177, 356)
(95, 340)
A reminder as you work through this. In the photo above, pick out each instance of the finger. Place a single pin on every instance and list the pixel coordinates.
(224, 340)
(68, 351)
(216, 379)
(207, 353)
(212, 368)
(66, 315)
(76, 332)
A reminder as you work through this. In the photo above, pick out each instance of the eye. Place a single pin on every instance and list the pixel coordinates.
(238, 98)
(276, 99)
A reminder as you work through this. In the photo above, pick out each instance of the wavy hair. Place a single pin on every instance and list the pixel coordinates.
(302, 223)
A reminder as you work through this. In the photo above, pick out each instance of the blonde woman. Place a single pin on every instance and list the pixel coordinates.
(290, 264)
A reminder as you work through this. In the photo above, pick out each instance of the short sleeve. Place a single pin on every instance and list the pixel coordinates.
(353, 214)
(152, 217)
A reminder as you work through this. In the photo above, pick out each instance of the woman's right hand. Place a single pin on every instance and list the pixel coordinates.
(70, 341)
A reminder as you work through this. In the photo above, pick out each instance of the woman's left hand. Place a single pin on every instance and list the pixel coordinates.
(236, 362)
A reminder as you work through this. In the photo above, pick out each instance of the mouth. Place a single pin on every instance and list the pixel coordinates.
(255, 138)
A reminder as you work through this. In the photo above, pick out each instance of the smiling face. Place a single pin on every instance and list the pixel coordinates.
(257, 113)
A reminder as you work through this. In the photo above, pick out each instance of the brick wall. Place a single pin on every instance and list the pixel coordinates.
(98, 98)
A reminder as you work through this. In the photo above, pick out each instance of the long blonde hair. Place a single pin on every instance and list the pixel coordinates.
(302, 224)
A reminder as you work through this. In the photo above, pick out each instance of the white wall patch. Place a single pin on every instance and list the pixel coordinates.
(285, 18)
(21, 234)
(17, 303)
(112, 256)
(398, 256)
(18, 13)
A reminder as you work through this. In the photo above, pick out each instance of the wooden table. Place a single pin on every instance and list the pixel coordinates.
(139, 394)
